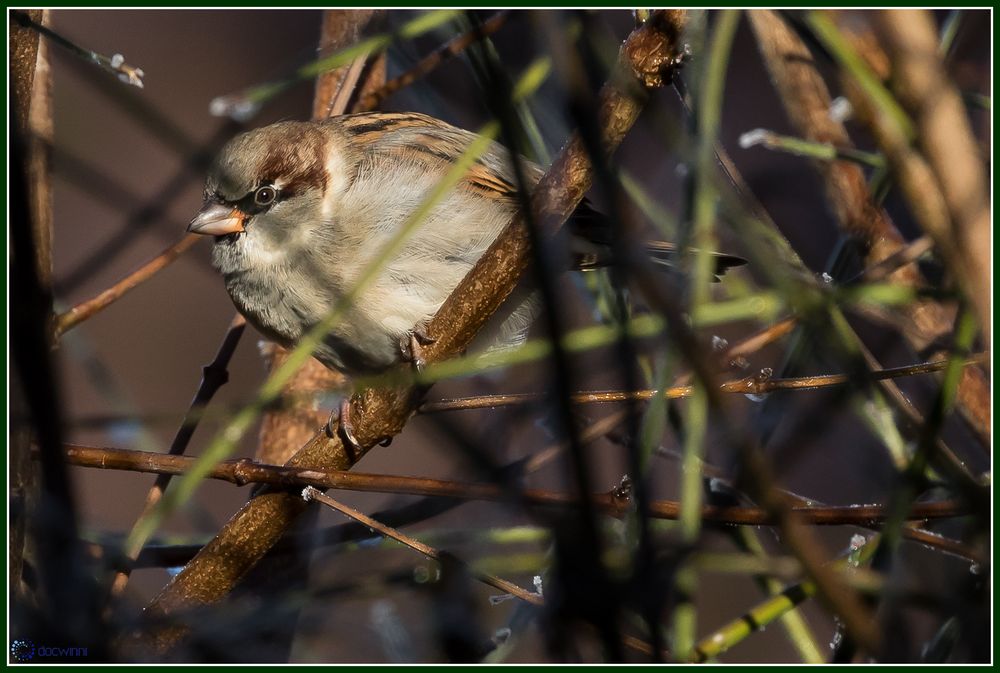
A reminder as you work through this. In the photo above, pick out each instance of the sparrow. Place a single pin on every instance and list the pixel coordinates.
(299, 209)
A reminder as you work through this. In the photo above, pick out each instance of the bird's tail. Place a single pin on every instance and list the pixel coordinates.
(662, 254)
(667, 255)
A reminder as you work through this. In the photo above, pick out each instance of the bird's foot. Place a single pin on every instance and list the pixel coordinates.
(411, 345)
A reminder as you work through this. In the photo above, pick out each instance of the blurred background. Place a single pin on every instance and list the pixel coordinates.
(125, 187)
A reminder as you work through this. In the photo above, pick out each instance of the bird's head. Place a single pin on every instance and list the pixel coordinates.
(269, 181)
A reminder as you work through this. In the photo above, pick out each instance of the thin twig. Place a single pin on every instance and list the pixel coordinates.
(214, 376)
(87, 309)
(757, 341)
(759, 384)
(908, 254)
(822, 151)
(593, 432)
(441, 55)
(146, 213)
(339, 102)
(310, 493)
(244, 104)
(919, 535)
(242, 472)
(175, 555)
(115, 64)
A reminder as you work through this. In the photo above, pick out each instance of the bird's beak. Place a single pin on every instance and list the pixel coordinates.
(216, 219)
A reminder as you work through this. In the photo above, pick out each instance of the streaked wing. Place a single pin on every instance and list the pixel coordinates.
(413, 138)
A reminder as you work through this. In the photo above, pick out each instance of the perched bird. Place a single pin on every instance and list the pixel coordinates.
(299, 209)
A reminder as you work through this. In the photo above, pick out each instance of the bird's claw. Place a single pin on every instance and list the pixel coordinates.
(339, 425)
(411, 345)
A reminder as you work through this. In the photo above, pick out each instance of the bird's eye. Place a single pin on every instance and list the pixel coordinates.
(265, 196)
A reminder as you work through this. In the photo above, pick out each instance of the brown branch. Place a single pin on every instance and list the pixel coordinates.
(441, 55)
(591, 433)
(942, 543)
(908, 254)
(87, 309)
(608, 424)
(176, 555)
(214, 376)
(757, 341)
(750, 385)
(919, 535)
(916, 179)
(945, 138)
(314, 381)
(743, 348)
(41, 132)
(23, 58)
(32, 97)
(290, 424)
(59, 596)
(341, 29)
(807, 101)
(347, 86)
(647, 56)
(242, 472)
(310, 493)
(975, 402)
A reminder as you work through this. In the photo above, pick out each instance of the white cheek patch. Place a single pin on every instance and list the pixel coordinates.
(273, 238)
(337, 183)
(260, 251)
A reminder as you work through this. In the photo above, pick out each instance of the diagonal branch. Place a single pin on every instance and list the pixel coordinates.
(442, 54)
(647, 59)
(310, 493)
(807, 102)
(87, 309)
(914, 175)
(214, 375)
(945, 138)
